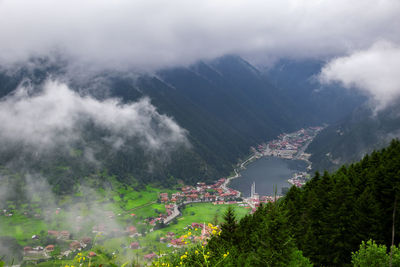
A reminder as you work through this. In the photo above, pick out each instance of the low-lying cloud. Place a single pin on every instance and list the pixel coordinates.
(151, 34)
(374, 71)
(56, 118)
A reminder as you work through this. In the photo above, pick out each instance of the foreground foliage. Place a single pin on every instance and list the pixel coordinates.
(334, 213)
(372, 254)
(261, 239)
(326, 220)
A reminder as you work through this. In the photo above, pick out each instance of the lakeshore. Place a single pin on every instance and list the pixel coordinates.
(289, 147)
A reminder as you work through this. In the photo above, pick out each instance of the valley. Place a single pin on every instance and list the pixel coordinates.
(120, 224)
(199, 133)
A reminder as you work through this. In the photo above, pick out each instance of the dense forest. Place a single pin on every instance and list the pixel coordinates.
(359, 133)
(324, 223)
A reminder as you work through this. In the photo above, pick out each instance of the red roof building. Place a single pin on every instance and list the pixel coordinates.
(65, 234)
(150, 256)
(134, 245)
(75, 245)
(131, 230)
(86, 240)
(49, 248)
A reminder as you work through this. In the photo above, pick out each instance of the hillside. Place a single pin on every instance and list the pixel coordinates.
(353, 137)
(298, 79)
(321, 223)
(222, 106)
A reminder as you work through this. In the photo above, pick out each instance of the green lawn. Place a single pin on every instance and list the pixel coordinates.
(200, 213)
(130, 200)
(21, 228)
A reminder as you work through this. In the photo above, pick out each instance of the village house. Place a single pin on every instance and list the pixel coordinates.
(64, 235)
(86, 240)
(131, 229)
(38, 248)
(34, 252)
(49, 248)
(52, 233)
(164, 197)
(150, 256)
(27, 250)
(177, 242)
(74, 245)
(134, 245)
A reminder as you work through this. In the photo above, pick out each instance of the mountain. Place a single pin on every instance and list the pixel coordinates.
(224, 105)
(351, 138)
(315, 103)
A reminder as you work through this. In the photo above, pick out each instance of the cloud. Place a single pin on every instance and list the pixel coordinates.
(374, 71)
(56, 117)
(151, 34)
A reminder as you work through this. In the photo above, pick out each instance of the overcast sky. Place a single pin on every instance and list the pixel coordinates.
(156, 33)
(151, 34)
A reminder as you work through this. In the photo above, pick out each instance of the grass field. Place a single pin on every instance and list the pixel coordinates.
(123, 201)
(200, 213)
(21, 228)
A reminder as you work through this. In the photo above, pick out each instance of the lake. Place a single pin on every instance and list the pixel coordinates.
(267, 172)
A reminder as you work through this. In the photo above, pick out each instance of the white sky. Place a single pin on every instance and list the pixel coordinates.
(156, 33)
(152, 34)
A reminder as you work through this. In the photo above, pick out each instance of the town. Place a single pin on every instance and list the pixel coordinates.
(291, 146)
(63, 244)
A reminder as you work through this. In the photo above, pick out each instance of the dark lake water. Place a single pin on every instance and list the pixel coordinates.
(267, 172)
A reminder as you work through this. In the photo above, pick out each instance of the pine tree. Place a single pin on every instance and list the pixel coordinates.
(229, 226)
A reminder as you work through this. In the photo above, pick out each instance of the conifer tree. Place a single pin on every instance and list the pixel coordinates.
(229, 226)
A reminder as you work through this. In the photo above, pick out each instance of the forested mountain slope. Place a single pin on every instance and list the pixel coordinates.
(225, 106)
(318, 103)
(356, 135)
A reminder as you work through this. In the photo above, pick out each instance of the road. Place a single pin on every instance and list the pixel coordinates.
(175, 213)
